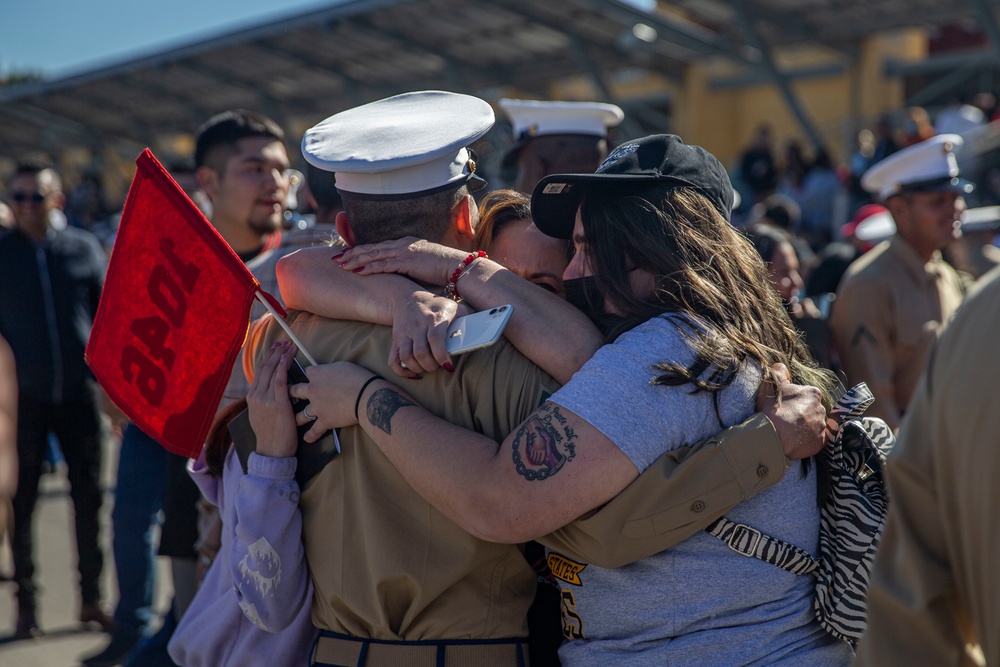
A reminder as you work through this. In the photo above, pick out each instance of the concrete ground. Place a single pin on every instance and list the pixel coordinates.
(64, 640)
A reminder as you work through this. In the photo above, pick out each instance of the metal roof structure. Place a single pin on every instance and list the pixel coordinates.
(305, 67)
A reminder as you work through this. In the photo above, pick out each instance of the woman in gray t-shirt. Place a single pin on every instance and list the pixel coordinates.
(695, 327)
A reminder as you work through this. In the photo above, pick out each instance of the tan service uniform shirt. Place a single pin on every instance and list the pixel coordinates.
(264, 269)
(935, 585)
(889, 309)
(387, 565)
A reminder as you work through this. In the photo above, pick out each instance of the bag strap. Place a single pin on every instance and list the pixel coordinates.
(851, 405)
(752, 543)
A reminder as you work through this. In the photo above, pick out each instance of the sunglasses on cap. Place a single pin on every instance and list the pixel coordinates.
(21, 197)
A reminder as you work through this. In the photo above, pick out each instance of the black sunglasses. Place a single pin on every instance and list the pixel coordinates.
(22, 197)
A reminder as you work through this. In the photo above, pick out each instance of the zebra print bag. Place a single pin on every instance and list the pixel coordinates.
(853, 506)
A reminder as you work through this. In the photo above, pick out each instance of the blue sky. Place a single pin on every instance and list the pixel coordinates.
(63, 37)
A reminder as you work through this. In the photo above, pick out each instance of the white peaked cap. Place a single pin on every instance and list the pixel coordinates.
(925, 167)
(979, 219)
(406, 145)
(537, 117)
(876, 227)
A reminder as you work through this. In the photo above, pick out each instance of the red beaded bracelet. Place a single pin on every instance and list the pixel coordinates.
(450, 288)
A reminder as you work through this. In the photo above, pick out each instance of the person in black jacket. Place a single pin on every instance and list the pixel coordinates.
(50, 284)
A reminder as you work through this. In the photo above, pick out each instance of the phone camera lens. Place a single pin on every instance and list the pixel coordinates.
(493, 312)
(503, 308)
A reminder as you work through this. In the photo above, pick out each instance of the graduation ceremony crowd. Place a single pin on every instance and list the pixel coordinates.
(679, 332)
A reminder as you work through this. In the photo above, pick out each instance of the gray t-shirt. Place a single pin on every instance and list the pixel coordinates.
(698, 603)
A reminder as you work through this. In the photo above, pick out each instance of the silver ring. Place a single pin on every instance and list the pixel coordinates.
(403, 366)
(310, 417)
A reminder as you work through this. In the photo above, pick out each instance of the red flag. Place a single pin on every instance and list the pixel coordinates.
(173, 315)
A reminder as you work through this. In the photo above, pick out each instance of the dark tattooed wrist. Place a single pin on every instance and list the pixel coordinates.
(543, 444)
(382, 405)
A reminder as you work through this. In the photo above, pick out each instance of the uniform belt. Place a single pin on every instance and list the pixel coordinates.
(336, 650)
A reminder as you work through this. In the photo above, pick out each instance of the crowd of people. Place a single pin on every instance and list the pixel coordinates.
(679, 332)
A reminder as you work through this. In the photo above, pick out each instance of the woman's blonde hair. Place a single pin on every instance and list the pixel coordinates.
(497, 210)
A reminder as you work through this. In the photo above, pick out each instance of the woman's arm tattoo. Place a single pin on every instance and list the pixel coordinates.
(382, 405)
(543, 444)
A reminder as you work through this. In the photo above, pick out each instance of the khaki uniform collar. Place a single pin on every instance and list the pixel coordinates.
(919, 270)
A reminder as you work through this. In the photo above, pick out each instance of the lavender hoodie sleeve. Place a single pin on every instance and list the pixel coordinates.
(267, 561)
(209, 486)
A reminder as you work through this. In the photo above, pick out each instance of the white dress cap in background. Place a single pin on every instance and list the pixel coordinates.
(981, 219)
(876, 227)
(532, 118)
(925, 167)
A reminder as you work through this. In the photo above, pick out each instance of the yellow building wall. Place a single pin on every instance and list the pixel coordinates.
(725, 121)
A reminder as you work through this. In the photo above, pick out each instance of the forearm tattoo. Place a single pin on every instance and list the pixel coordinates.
(382, 405)
(543, 444)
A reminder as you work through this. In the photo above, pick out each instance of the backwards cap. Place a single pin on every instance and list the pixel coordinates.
(660, 160)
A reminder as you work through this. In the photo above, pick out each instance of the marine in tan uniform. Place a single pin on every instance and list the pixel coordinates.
(894, 299)
(552, 137)
(935, 590)
(385, 564)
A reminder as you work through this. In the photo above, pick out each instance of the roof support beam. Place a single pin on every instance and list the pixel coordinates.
(984, 10)
(941, 87)
(631, 126)
(191, 106)
(529, 12)
(588, 65)
(349, 85)
(50, 126)
(768, 65)
(462, 76)
(657, 122)
(793, 28)
(226, 78)
(456, 72)
(690, 36)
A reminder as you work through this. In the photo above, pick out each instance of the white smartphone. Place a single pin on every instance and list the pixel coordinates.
(481, 329)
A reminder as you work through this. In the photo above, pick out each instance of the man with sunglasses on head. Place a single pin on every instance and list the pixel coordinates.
(50, 285)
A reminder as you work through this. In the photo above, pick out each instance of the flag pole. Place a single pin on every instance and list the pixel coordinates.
(284, 325)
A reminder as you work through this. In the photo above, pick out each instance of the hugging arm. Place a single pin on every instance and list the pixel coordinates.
(310, 280)
(556, 467)
(680, 494)
(549, 470)
(545, 328)
(686, 489)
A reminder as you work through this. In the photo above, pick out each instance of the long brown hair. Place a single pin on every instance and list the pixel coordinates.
(705, 270)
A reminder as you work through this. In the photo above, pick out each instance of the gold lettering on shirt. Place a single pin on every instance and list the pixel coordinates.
(565, 569)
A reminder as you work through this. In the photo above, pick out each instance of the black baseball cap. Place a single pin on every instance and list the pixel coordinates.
(657, 161)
